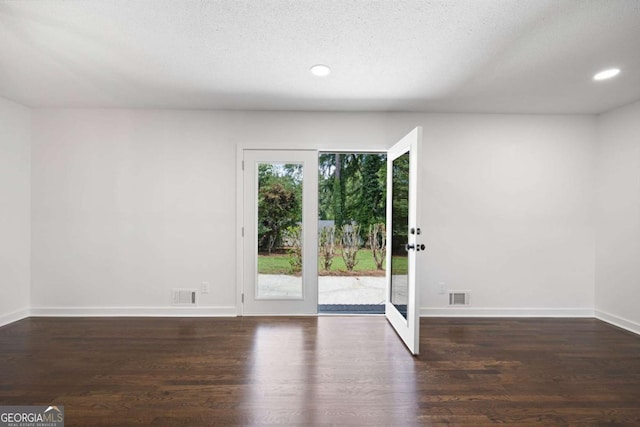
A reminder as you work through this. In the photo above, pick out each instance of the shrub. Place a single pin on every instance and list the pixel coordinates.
(327, 243)
(294, 237)
(350, 244)
(378, 243)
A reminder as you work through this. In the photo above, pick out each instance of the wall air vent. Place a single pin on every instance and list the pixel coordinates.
(183, 296)
(458, 298)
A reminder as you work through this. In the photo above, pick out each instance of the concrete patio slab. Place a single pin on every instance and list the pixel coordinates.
(331, 289)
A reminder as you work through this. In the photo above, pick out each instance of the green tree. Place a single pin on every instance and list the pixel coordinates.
(339, 182)
(279, 203)
(352, 188)
(370, 204)
(326, 163)
(400, 220)
(339, 192)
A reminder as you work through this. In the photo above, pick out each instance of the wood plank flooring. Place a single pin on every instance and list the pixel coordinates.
(343, 371)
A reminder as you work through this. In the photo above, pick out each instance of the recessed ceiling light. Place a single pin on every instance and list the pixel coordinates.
(320, 70)
(607, 74)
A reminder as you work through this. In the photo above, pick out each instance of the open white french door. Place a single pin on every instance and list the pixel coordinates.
(280, 208)
(404, 243)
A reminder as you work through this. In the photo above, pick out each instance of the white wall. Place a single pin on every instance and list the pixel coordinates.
(508, 212)
(618, 217)
(15, 146)
(128, 204)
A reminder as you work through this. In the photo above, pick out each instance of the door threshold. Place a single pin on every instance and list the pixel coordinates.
(350, 308)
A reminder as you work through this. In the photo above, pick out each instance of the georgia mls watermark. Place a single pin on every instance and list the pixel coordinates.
(31, 416)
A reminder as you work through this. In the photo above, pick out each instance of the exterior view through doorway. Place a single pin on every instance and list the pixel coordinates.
(350, 238)
(352, 189)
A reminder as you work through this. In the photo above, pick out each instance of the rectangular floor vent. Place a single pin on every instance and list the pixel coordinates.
(458, 298)
(183, 296)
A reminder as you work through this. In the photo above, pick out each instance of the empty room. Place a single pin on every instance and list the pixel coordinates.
(319, 212)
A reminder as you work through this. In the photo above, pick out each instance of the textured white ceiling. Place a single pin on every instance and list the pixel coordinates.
(534, 56)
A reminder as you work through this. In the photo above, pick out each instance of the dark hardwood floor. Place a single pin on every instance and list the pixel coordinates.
(322, 371)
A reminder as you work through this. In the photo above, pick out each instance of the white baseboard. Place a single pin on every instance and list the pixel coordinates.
(14, 316)
(230, 311)
(504, 312)
(225, 311)
(629, 325)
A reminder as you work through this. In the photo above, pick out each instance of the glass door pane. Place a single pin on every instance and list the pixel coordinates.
(400, 234)
(280, 230)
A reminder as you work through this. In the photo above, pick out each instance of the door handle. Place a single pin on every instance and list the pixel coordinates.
(418, 248)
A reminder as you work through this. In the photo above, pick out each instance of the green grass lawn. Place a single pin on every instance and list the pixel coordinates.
(274, 264)
(279, 264)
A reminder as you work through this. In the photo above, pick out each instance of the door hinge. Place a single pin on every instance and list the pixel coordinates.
(242, 231)
(243, 165)
(242, 297)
